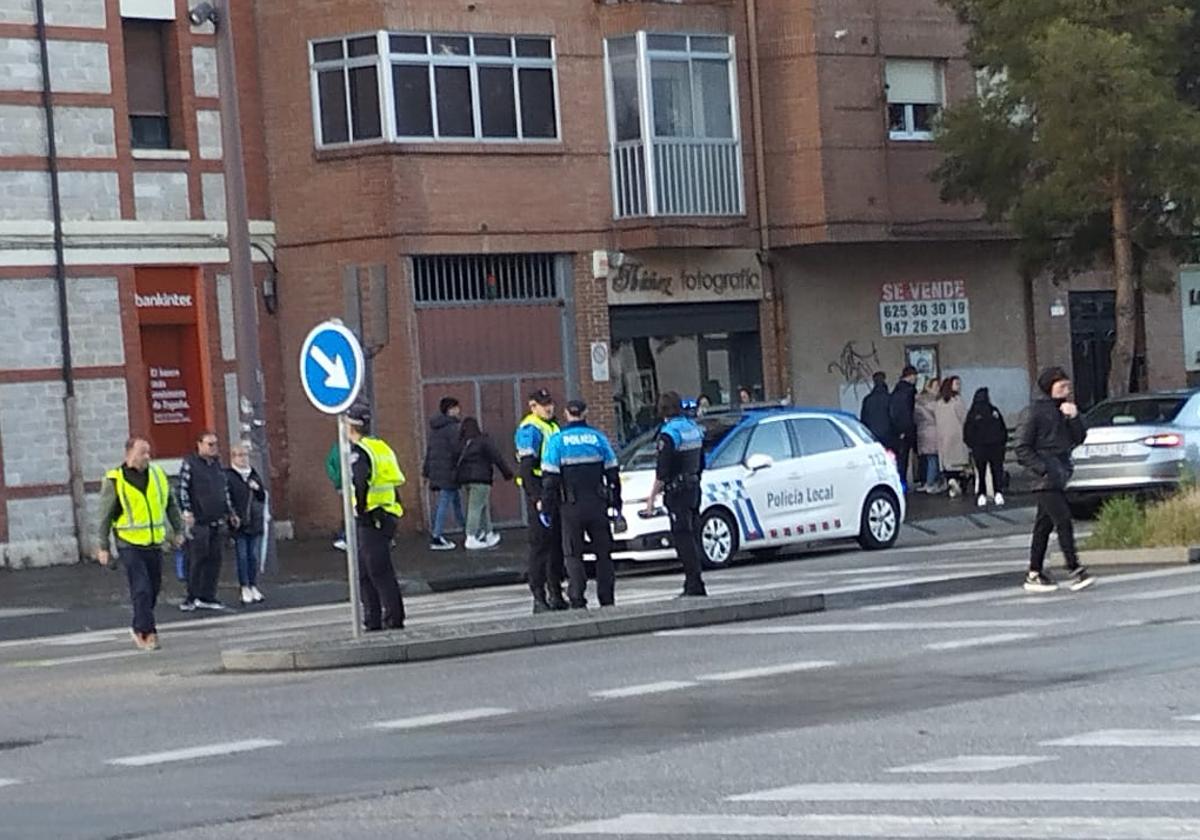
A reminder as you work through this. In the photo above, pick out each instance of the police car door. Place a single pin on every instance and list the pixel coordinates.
(769, 459)
(826, 480)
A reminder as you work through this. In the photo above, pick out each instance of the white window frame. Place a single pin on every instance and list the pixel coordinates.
(910, 132)
(643, 57)
(385, 59)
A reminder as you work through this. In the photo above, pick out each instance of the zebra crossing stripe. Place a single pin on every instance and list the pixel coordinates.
(962, 792)
(1130, 738)
(890, 826)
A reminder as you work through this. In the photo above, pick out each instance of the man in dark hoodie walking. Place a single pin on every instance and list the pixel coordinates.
(440, 470)
(902, 411)
(876, 410)
(1051, 430)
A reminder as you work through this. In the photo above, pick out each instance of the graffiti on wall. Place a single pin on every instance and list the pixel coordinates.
(856, 367)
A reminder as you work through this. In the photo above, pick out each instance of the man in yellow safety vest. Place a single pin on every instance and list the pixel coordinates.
(546, 567)
(137, 506)
(376, 480)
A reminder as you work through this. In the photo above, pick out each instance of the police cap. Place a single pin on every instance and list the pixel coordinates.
(576, 408)
(359, 415)
(542, 397)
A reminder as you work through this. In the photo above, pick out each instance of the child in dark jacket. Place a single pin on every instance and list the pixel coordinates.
(986, 435)
(478, 458)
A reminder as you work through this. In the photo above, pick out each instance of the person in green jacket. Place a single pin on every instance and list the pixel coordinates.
(333, 469)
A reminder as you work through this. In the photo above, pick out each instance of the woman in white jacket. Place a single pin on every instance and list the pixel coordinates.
(928, 475)
(950, 412)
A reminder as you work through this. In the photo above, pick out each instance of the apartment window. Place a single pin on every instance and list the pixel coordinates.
(677, 152)
(915, 96)
(145, 44)
(482, 278)
(438, 88)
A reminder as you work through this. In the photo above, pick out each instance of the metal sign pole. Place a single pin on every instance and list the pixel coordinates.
(351, 535)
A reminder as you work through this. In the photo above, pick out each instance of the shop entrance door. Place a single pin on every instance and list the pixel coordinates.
(1093, 333)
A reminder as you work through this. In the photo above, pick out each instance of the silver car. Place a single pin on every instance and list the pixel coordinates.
(1141, 443)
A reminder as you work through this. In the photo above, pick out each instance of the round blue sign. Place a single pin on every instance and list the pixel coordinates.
(331, 367)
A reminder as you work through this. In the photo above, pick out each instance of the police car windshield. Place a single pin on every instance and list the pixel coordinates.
(642, 452)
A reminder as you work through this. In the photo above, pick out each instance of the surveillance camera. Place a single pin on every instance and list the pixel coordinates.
(202, 13)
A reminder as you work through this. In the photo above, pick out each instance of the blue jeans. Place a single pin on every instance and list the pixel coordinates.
(447, 499)
(246, 547)
(932, 471)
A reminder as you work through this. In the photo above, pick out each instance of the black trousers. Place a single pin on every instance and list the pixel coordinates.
(143, 570)
(988, 459)
(1053, 514)
(903, 450)
(546, 566)
(382, 604)
(591, 520)
(684, 509)
(204, 562)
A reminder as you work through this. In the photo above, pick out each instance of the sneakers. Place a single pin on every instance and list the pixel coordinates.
(473, 544)
(247, 596)
(981, 501)
(999, 500)
(144, 641)
(441, 544)
(258, 596)
(955, 488)
(491, 539)
(1039, 582)
(340, 543)
(1080, 579)
(201, 604)
(188, 605)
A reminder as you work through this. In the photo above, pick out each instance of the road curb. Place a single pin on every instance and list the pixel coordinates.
(489, 637)
(1176, 556)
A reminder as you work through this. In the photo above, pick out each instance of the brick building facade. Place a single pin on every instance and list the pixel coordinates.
(149, 311)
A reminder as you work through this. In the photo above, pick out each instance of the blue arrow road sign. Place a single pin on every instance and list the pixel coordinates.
(331, 367)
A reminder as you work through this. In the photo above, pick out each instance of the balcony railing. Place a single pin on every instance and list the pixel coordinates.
(690, 177)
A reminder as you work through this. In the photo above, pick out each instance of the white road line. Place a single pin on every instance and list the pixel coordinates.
(1130, 738)
(77, 660)
(1154, 595)
(863, 627)
(190, 753)
(955, 792)
(24, 612)
(946, 600)
(9, 782)
(422, 721)
(974, 764)
(639, 690)
(980, 641)
(766, 671)
(1189, 718)
(891, 826)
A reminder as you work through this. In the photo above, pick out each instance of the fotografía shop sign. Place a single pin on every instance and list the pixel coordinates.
(685, 276)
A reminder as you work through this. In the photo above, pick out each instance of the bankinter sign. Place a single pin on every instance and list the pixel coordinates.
(162, 300)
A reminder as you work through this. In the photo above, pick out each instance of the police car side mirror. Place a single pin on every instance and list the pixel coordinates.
(758, 462)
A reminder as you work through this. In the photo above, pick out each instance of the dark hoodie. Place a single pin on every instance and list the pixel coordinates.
(876, 413)
(985, 429)
(1046, 437)
(441, 453)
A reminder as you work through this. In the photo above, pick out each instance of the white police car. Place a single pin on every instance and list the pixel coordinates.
(773, 478)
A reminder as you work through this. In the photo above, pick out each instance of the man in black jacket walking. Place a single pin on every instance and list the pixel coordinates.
(204, 498)
(1052, 429)
(441, 464)
(902, 411)
(876, 411)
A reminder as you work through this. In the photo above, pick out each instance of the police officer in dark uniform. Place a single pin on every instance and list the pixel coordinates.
(583, 483)
(677, 477)
(376, 478)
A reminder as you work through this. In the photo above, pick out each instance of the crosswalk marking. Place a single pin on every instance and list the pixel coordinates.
(639, 690)
(961, 792)
(190, 753)
(891, 826)
(766, 671)
(1130, 738)
(460, 716)
(77, 660)
(861, 627)
(980, 641)
(974, 764)
(1189, 718)
(9, 782)
(1155, 595)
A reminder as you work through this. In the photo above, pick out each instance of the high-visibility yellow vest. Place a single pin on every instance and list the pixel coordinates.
(386, 477)
(548, 428)
(143, 519)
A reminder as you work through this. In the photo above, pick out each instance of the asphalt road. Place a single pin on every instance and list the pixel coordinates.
(984, 714)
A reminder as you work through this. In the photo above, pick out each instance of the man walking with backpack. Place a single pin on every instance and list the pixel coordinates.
(1052, 429)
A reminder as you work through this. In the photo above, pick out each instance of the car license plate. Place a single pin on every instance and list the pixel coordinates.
(1109, 450)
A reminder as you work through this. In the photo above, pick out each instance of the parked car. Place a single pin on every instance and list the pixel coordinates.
(1141, 443)
(773, 478)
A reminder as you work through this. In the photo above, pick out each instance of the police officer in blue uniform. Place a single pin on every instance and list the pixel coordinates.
(677, 477)
(546, 567)
(582, 482)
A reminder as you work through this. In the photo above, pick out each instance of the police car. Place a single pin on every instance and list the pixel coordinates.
(773, 477)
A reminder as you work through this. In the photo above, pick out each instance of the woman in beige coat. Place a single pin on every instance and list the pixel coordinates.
(929, 477)
(950, 413)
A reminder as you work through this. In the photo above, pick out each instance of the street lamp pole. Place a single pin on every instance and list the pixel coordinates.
(251, 401)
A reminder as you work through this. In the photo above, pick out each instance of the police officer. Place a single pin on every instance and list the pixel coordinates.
(546, 569)
(376, 476)
(584, 484)
(677, 477)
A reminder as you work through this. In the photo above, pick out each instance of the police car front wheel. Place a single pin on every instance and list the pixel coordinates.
(718, 539)
(880, 521)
